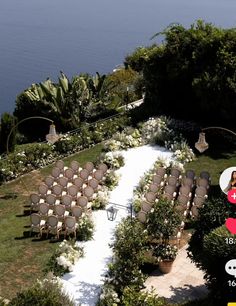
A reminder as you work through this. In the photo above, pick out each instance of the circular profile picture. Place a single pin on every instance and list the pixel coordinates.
(228, 180)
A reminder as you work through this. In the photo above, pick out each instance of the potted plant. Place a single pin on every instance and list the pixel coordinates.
(166, 255)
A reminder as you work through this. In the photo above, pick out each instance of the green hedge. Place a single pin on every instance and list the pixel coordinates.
(216, 253)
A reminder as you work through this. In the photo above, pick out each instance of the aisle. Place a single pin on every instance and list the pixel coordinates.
(84, 283)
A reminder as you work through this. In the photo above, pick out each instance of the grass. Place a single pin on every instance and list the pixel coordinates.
(214, 163)
(22, 258)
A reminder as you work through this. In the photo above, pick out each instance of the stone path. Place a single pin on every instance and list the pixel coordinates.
(184, 282)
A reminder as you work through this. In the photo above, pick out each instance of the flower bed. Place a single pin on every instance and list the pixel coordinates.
(63, 259)
(37, 155)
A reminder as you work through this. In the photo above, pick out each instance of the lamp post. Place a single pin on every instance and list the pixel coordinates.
(201, 145)
(112, 211)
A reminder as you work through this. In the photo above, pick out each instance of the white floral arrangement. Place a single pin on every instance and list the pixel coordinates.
(101, 198)
(114, 160)
(128, 138)
(181, 151)
(64, 257)
(112, 145)
(154, 128)
(69, 255)
(162, 162)
(112, 179)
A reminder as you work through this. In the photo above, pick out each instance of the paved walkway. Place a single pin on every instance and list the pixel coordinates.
(184, 282)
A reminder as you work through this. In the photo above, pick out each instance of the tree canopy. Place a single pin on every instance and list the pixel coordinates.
(191, 75)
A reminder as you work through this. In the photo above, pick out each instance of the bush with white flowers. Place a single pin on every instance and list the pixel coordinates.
(114, 160)
(128, 138)
(181, 151)
(154, 130)
(101, 198)
(85, 229)
(48, 291)
(63, 259)
(112, 179)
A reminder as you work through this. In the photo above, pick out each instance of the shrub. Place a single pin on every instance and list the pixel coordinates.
(163, 220)
(25, 158)
(140, 298)
(43, 293)
(63, 258)
(112, 179)
(85, 229)
(108, 296)
(155, 130)
(216, 253)
(211, 216)
(128, 255)
(182, 152)
(7, 123)
(68, 144)
(165, 252)
(101, 198)
(128, 138)
(114, 160)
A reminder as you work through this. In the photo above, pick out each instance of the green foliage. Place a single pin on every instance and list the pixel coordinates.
(63, 258)
(25, 158)
(7, 123)
(163, 220)
(165, 252)
(68, 144)
(67, 103)
(85, 229)
(112, 179)
(193, 66)
(114, 160)
(108, 296)
(216, 253)
(212, 215)
(128, 250)
(117, 83)
(30, 156)
(43, 293)
(140, 298)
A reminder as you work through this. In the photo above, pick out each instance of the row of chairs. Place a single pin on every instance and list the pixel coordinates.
(69, 199)
(75, 170)
(162, 172)
(53, 225)
(63, 197)
(169, 188)
(61, 191)
(60, 210)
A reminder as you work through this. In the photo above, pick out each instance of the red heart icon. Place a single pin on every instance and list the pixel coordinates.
(231, 225)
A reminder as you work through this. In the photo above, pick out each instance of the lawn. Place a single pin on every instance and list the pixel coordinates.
(214, 163)
(22, 258)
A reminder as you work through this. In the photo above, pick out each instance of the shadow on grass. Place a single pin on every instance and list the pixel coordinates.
(8, 196)
(26, 213)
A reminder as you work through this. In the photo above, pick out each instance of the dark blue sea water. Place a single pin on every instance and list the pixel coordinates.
(40, 38)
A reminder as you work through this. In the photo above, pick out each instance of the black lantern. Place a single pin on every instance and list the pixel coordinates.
(111, 213)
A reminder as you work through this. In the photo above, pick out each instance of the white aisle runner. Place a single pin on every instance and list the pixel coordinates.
(84, 283)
